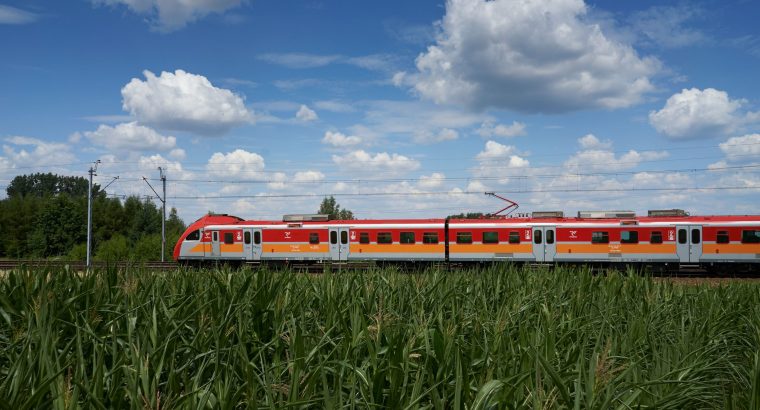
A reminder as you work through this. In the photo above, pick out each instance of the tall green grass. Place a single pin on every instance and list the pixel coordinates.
(500, 337)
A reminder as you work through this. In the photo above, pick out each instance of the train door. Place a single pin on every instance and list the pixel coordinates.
(544, 243)
(339, 245)
(689, 243)
(215, 249)
(252, 243)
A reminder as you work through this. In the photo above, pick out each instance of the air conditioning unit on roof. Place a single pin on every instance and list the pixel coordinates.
(606, 214)
(305, 218)
(548, 214)
(667, 212)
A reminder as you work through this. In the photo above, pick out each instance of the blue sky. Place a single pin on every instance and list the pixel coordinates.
(398, 108)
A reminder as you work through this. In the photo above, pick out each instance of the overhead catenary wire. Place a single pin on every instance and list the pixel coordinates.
(465, 178)
(516, 191)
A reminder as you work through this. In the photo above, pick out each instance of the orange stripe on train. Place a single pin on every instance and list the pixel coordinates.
(731, 248)
(617, 248)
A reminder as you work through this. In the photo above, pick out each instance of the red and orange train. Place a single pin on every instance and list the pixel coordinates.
(664, 237)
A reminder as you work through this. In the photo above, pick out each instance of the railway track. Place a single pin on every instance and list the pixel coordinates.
(79, 265)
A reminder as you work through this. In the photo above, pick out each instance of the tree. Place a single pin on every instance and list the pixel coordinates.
(48, 184)
(45, 215)
(58, 227)
(330, 207)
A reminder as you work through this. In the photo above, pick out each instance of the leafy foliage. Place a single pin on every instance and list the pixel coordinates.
(45, 184)
(45, 215)
(329, 206)
(501, 337)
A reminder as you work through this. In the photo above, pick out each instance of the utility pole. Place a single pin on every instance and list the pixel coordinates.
(92, 171)
(163, 210)
(163, 219)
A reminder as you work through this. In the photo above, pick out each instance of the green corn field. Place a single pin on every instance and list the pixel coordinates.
(496, 337)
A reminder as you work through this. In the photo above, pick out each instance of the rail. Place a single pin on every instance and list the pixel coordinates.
(81, 265)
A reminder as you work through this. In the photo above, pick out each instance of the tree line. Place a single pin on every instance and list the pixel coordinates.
(45, 216)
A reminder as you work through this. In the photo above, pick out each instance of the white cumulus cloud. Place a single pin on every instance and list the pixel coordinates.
(428, 137)
(171, 15)
(590, 141)
(598, 155)
(177, 153)
(183, 101)
(362, 161)
(173, 169)
(744, 148)
(695, 113)
(236, 164)
(434, 180)
(130, 136)
(24, 152)
(306, 114)
(308, 176)
(494, 150)
(337, 139)
(530, 56)
(489, 129)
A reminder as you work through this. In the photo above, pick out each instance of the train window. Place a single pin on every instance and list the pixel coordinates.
(722, 237)
(364, 237)
(406, 237)
(514, 237)
(247, 237)
(550, 237)
(333, 237)
(629, 237)
(343, 237)
(313, 238)
(537, 238)
(656, 237)
(194, 235)
(600, 237)
(695, 236)
(464, 237)
(682, 236)
(384, 237)
(229, 238)
(751, 236)
(430, 237)
(257, 237)
(215, 236)
(490, 237)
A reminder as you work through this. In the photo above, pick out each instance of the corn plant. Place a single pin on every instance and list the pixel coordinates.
(495, 337)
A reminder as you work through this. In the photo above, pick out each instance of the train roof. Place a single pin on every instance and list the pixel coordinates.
(695, 219)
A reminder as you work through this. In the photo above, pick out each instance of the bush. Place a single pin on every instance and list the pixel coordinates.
(147, 248)
(113, 250)
(78, 252)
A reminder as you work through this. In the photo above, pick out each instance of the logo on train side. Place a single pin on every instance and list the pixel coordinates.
(527, 234)
(287, 234)
(207, 235)
(671, 235)
(573, 234)
(353, 235)
(240, 236)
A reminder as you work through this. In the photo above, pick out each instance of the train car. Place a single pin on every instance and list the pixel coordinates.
(665, 237)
